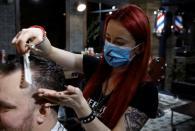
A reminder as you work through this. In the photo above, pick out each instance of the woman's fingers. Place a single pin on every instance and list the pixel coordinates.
(32, 35)
(21, 47)
(69, 91)
(15, 41)
(72, 90)
(59, 99)
(41, 90)
(51, 94)
(52, 100)
(70, 97)
(16, 37)
(46, 92)
(24, 37)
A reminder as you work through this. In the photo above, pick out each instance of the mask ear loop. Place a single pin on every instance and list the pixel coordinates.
(140, 50)
(135, 52)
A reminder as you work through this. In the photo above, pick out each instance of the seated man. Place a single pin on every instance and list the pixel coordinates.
(20, 108)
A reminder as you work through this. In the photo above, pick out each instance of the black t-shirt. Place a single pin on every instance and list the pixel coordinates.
(145, 99)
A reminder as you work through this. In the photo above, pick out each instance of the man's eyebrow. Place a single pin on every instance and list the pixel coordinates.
(6, 104)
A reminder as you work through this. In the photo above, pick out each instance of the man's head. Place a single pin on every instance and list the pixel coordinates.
(20, 108)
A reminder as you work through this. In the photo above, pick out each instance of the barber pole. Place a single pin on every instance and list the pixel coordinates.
(178, 24)
(160, 23)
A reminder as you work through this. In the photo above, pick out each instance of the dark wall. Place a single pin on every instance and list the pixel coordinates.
(47, 13)
(7, 25)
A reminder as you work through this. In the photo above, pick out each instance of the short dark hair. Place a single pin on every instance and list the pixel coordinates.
(45, 73)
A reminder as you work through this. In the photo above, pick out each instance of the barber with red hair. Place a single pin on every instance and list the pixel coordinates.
(117, 95)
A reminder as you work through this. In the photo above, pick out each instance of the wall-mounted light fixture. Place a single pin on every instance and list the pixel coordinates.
(81, 6)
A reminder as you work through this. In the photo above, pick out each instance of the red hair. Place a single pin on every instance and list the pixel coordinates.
(136, 22)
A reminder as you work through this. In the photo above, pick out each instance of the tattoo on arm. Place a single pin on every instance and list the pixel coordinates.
(134, 119)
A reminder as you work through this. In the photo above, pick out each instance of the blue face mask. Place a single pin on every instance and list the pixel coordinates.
(117, 56)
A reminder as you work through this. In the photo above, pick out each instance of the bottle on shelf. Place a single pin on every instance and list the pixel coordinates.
(2, 56)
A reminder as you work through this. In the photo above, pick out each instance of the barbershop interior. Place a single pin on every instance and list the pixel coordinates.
(78, 26)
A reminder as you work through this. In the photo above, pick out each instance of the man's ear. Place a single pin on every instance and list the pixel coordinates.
(42, 113)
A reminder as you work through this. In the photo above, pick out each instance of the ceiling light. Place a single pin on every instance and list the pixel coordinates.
(113, 7)
(81, 7)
